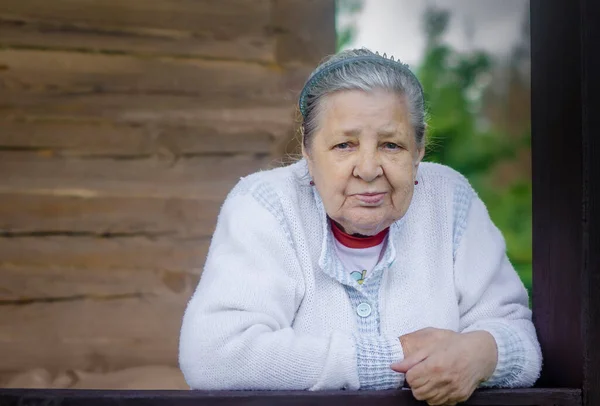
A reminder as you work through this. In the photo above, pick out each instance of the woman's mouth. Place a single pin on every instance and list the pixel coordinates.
(370, 199)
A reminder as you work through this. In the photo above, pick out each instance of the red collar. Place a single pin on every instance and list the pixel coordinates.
(352, 241)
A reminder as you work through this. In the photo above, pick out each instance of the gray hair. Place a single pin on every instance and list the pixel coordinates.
(361, 69)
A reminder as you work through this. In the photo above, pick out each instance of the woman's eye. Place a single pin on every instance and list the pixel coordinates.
(343, 145)
(391, 145)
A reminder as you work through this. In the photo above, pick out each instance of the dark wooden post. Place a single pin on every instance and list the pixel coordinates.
(566, 193)
(590, 36)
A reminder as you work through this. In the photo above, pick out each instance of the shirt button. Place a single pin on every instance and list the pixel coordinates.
(363, 309)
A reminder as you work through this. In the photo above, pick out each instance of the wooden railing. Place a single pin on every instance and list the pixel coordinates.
(67, 397)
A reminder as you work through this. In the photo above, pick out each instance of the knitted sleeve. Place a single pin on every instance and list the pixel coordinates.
(237, 328)
(492, 298)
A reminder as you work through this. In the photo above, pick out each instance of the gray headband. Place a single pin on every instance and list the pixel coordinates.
(348, 61)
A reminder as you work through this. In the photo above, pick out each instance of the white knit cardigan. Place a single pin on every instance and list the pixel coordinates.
(275, 309)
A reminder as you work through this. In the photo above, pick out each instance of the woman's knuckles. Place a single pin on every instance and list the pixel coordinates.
(428, 338)
(437, 369)
(417, 375)
(410, 377)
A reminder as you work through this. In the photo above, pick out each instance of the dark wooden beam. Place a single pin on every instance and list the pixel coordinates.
(66, 397)
(590, 87)
(557, 188)
(566, 191)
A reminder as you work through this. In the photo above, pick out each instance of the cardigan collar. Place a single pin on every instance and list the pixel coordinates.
(352, 241)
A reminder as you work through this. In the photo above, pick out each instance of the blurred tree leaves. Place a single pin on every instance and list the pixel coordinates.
(346, 11)
(454, 83)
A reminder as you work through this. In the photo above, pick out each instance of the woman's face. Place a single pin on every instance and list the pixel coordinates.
(363, 159)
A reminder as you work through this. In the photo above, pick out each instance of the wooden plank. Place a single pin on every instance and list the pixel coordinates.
(51, 214)
(307, 30)
(237, 44)
(225, 84)
(156, 377)
(62, 302)
(23, 286)
(137, 108)
(208, 177)
(205, 18)
(88, 252)
(98, 334)
(105, 138)
(403, 397)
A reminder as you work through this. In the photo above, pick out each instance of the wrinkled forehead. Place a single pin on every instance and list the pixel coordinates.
(355, 111)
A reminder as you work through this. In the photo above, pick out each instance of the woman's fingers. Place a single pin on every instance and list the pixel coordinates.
(435, 393)
(435, 381)
(418, 377)
(410, 362)
(426, 391)
(419, 344)
(422, 339)
(442, 374)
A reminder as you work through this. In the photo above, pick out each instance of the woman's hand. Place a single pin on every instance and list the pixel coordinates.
(443, 367)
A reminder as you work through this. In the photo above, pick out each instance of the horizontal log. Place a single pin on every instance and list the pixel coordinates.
(205, 18)
(239, 43)
(145, 253)
(214, 134)
(307, 33)
(208, 178)
(94, 334)
(142, 109)
(112, 215)
(157, 377)
(30, 285)
(223, 84)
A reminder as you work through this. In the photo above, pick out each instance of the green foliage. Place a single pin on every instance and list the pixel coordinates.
(450, 79)
(345, 36)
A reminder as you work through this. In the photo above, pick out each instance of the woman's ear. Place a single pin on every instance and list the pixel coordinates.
(421, 149)
(306, 157)
(420, 155)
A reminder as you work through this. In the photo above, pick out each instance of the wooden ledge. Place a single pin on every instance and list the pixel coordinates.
(71, 397)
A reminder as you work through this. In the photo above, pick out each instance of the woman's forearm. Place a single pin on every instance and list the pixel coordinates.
(223, 351)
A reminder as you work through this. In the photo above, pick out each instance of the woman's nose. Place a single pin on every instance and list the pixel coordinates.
(368, 166)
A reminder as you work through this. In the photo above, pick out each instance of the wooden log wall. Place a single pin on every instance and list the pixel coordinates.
(123, 124)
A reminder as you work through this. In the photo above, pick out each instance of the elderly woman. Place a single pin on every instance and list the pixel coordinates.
(359, 267)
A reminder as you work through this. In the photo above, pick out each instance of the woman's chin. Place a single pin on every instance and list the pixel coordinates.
(365, 221)
(365, 228)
